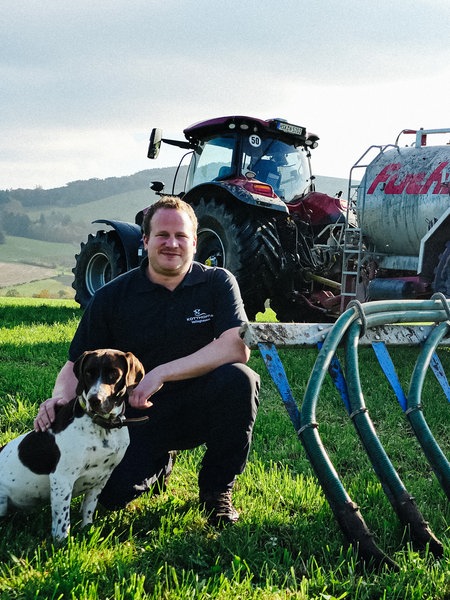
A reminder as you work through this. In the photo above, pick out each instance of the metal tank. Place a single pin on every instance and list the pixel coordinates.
(404, 191)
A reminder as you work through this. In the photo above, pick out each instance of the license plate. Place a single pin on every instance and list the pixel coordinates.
(288, 128)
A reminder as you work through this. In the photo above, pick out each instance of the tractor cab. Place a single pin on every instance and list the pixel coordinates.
(272, 153)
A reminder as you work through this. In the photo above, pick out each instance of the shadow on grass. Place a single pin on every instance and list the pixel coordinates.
(44, 314)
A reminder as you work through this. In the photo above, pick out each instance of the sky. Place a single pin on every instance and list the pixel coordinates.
(83, 83)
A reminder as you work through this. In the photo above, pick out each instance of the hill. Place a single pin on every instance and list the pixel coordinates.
(82, 192)
(46, 233)
(114, 191)
(124, 206)
(65, 214)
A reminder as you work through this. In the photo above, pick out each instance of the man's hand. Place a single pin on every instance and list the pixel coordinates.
(140, 396)
(64, 390)
(46, 413)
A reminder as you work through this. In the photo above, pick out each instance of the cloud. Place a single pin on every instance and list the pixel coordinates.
(81, 82)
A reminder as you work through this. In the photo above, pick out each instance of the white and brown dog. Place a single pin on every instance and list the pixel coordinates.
(78, 453)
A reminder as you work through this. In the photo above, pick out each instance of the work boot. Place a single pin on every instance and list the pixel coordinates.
(219, 507)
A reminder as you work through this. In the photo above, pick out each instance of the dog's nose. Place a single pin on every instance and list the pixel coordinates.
(94, 401)
(99, 405)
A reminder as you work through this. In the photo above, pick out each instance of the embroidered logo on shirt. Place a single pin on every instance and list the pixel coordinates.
(199, 317)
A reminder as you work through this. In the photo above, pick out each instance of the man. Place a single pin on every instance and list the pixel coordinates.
(182, 320)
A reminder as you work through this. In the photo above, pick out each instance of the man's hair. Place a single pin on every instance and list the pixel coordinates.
(173, 202)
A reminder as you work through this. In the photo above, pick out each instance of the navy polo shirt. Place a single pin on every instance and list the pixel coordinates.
(132, 314)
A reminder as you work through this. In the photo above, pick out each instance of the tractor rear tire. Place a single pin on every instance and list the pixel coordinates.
(100, 260)
(441, 281)
(244, 242)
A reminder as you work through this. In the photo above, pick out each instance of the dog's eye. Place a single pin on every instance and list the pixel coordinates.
(91, 373)
(113, 375)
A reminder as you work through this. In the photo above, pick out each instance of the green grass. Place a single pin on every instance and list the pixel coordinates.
(37, 252)
(287, 543)
(25, 251)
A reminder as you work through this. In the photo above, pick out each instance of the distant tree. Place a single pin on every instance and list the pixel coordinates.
(16, 224)
(42, 294)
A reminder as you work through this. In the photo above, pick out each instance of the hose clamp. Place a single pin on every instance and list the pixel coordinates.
(307, 426)
(362, 315)
(412, 409)
(358, 411)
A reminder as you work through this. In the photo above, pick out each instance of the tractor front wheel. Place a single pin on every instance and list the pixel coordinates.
(100, 260)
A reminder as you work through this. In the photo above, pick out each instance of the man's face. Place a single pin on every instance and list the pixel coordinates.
(171, 244)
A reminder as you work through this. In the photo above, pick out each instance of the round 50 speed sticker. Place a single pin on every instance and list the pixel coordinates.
(255, 141)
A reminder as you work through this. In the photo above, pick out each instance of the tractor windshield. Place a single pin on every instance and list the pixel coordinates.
(283, 166)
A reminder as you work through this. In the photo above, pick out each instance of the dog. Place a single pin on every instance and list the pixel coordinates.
(85, 443)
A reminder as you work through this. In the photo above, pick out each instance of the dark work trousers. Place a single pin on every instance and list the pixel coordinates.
(217, 409)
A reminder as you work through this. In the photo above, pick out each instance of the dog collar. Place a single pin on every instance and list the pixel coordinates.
(115, 422)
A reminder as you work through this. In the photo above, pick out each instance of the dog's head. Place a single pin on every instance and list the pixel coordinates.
(105, 377)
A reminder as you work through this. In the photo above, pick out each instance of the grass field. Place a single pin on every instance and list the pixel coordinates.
(34, 268)
(37, 252)
(287, 544)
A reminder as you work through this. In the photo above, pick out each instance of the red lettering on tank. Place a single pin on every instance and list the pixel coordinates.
(415, 183)
(435, 177)
(412, 183)
(383, 176)
(392, 187)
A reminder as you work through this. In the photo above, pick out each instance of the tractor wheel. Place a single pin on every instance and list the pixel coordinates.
(441, 281)
(100, 260)
(242, 241)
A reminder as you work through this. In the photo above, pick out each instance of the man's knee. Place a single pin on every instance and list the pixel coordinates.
(238, 375)
(236, 387)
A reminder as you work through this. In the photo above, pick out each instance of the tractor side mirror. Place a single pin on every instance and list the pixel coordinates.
(155, 143)
(157, 187)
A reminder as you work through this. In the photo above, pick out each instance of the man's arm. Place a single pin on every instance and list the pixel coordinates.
(227, 348)
(63, 392)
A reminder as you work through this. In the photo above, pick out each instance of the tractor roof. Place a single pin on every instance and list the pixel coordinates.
(278, 128)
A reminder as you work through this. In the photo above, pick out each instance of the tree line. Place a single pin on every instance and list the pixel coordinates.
(82, 191)
(57, 225)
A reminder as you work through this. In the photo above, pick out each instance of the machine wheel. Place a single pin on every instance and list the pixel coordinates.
(100, 259)
(242, 241)
(441, 281)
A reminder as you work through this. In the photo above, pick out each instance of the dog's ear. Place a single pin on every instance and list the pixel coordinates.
(135, 370)
(78, 369)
